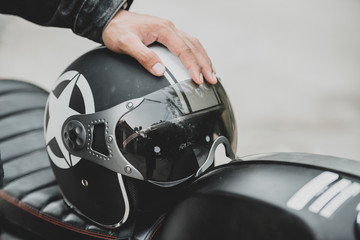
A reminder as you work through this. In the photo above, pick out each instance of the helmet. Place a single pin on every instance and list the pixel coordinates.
(108, 121)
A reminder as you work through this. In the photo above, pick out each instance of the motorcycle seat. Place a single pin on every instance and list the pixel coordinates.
(31, 204)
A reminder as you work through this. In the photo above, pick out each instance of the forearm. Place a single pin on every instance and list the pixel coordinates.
(87, 18)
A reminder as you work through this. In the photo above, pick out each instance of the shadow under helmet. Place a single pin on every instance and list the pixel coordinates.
(108, 119)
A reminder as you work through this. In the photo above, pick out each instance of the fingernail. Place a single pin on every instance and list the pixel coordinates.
(211, 77)
(214, 77)
(201, 79)
(158, 69)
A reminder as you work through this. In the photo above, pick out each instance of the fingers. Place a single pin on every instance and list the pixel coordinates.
(131, 33)
(178, 46)
(190, 52)
(202, 58)
(147, 58)
(124, 35)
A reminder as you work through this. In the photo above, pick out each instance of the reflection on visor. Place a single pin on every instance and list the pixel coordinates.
(169, 135)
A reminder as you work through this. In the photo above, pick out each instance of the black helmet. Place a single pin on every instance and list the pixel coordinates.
(108, 120)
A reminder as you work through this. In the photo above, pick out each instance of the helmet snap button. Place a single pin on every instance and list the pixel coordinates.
(84, 182)
(74, 135)
(130, 105)
(128, 169)
(109, 139)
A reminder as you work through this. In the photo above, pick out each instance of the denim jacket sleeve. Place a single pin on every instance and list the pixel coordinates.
(87, 18)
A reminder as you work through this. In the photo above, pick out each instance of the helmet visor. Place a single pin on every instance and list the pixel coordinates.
(168, 137)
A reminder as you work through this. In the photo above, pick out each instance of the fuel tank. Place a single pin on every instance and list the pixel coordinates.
(271, 196)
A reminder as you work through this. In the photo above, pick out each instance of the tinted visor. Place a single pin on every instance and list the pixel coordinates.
(169, 135)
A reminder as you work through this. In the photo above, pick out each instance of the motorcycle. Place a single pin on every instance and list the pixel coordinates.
(262, 196)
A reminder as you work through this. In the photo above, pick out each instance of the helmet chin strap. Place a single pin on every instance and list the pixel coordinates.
(210, 158)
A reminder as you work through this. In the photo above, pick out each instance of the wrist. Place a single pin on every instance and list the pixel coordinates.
(123, 7)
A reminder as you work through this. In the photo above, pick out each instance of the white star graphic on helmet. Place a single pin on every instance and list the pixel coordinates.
(59, 111)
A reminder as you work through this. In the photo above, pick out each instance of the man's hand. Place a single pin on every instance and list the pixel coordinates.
(131, 33)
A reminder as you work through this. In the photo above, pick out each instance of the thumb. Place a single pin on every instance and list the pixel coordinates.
(146, 57)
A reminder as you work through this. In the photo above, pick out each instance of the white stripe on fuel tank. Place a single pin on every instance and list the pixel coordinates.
(314, 187)
(347, 193)
(316, 206)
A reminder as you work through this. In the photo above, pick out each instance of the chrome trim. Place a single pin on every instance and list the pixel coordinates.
(126, 200)
(115, 161)
(211, 157)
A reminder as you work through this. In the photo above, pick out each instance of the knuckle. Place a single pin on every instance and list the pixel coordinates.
(197, 47)
(184, 51)
(208, 61)
(194, 40)
(167, 23)
(197, 41)
(165, 27)
(147, 58)
(124, 38)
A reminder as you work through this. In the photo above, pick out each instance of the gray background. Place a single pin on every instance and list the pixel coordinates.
(291, 68)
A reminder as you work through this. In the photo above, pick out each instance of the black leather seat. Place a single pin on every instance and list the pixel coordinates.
(31, 204)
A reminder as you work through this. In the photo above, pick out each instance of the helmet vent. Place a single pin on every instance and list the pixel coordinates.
(99, 141)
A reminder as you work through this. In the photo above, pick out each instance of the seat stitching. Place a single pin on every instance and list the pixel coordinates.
(153, 234)
(52, 220)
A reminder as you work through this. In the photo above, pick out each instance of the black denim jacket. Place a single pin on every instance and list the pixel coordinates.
(87, 18)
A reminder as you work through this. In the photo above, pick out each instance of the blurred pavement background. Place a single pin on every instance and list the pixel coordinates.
(291, 68)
